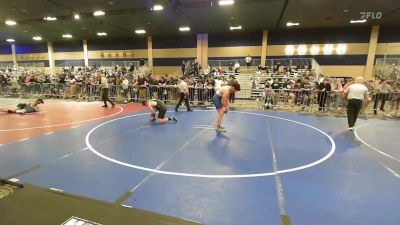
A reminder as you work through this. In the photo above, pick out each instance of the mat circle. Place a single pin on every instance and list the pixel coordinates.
(215, 176)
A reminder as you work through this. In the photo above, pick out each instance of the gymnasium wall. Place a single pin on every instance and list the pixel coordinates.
(169, 52)
(236, 45)
(70, 51)
(32, 53)
(388, 42)
(5, 55)
(351, 63)
(129, 49)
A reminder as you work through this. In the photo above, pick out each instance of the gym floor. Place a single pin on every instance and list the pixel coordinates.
(267, 167)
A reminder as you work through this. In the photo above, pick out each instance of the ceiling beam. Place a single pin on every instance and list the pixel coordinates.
(391, 12)
(174, 6)
(282, 13)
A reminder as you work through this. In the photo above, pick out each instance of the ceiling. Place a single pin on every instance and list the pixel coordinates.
(203, 16)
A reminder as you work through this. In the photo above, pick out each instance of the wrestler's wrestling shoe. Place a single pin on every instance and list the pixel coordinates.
(220, 129)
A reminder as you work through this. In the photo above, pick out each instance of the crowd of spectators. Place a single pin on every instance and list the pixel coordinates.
(327, 92)
(128, 83)
(285, 86)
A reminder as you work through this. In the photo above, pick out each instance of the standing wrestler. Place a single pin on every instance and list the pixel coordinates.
(221, 102)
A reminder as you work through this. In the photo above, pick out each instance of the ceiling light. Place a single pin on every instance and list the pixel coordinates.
(101, 34)
(358, 21)
(289, 50)
(314, 50)
(235, 28)
(341, 49)
(37, 38)
(77, 17)
(226, 2)
(158, 7)
(289, 24)
(50, 18)
(328, 49)
(10, 40)
(99, 13)
(184, 29)
(67, 36)
(302, 50)
(140, 31)
(11, 22)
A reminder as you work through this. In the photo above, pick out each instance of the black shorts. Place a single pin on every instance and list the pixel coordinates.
(161, 113)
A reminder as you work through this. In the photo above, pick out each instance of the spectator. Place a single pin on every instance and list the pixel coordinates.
(337, 93)
(323, 90)
(289, 96)
(269, 96)
(196, 68)
(248, 61)
(383, 90)
(125, 86)
(305, 88)
(231, 81)
(370, 87)
(142, 85)
(395, 99)
(183, 68)
(236, 67)
(276, 86)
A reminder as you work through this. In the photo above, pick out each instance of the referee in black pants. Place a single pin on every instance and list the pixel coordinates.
(356, 94)
(104, 89)
(183, 94)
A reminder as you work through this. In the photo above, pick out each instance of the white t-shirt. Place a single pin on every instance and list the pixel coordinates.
(125, 84)
(104, 82)
(237, 65)
(218, 85)
(248, 59)
(183, 87)
(357, 91)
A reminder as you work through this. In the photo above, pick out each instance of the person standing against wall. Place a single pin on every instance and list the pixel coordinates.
(104, 89)
(248, 61)
(357, 93)
(183, 94)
